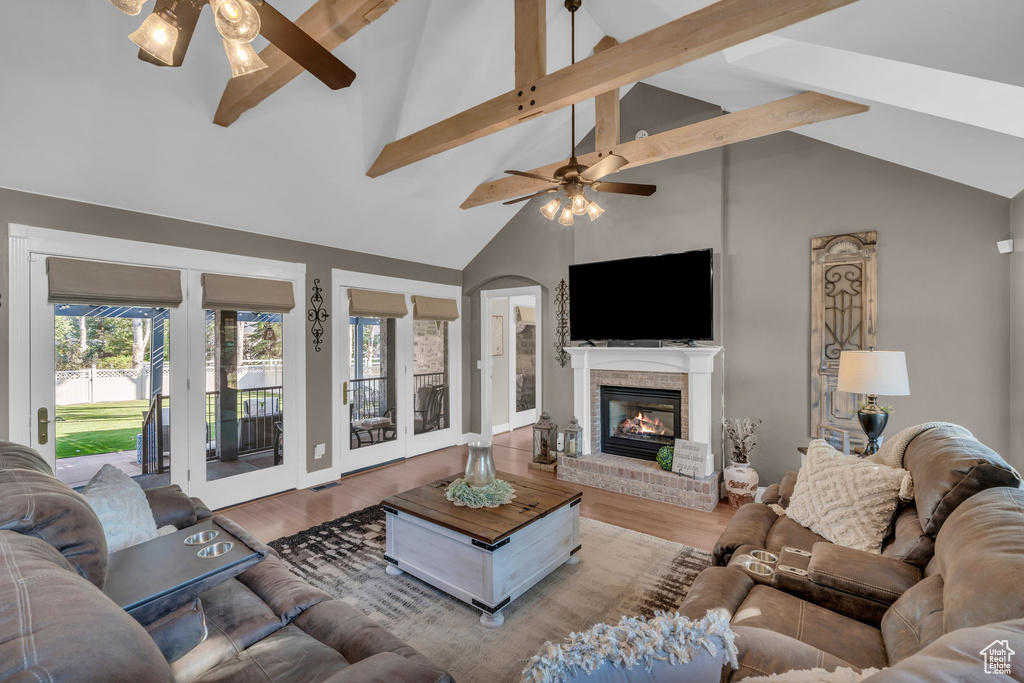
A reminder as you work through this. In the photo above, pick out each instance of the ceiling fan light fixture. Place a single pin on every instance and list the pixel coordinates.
(594, 210)
(237, 20)
(158, 35)
(566, 217)
(243, 58)
(129, 7)
(551, 208)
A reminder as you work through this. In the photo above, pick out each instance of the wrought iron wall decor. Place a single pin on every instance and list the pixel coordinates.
(562, 318)
(317, 315)
(844, 307)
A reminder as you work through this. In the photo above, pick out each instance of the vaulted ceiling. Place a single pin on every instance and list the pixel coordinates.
(82, 118)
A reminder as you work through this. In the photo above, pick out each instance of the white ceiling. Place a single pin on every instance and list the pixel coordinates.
(82, 118)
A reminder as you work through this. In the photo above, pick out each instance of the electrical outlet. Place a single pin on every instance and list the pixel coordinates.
(319, 450)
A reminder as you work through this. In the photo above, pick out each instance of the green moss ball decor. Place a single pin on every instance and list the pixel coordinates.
(665, 457)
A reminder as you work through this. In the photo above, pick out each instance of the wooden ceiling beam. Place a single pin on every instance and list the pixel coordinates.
(767, 119)
(531, 40)
(606, 108)
(329, 22)
(708, 30)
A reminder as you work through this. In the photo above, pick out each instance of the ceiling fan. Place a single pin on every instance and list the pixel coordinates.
(165, 35)
(574, 177)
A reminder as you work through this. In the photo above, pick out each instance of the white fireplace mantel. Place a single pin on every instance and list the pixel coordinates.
(698, 363)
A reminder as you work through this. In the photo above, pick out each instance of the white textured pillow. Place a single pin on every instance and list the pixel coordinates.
(122, 507)
(845, 499)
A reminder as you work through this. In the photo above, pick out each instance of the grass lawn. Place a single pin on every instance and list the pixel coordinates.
(91, 428)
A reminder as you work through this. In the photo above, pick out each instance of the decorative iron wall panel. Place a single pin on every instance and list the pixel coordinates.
(844, 303)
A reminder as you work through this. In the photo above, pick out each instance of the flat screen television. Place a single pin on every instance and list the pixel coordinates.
(665, 298)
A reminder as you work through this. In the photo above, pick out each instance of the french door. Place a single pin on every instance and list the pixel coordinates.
(523, 345)
(394, 375)
(198, 394)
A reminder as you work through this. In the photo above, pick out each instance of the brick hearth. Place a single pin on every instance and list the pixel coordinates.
(640, 478)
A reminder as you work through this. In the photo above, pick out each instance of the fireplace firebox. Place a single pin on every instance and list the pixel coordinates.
(636, 422)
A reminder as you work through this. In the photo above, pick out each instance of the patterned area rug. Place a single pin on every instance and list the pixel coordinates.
(621, 572)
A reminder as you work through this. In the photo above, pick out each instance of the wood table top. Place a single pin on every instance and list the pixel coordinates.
(533, 501)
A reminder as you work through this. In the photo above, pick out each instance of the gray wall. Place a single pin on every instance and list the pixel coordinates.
(1016, 231)
(943, 289)
(60, 214)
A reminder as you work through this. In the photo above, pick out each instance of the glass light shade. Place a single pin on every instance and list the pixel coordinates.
(874, 372)
(157, 36)
(237, 20)
(594, 210)
(566, 217)
(243, 58)
(580, 203)
(551, 208)
(130, 7)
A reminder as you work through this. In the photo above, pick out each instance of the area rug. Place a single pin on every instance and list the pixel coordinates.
(621, 572)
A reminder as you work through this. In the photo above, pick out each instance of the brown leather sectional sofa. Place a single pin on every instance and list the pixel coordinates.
(949, 582)
(265, 624)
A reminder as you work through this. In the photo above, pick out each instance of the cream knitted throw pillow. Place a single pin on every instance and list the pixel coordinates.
(846, 500)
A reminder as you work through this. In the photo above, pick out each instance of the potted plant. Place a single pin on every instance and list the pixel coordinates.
(740, 478)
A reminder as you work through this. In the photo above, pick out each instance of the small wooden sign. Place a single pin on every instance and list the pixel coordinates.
(838, 439)
(689, 457)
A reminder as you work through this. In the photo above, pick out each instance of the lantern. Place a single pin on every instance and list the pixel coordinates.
(544, 440)
(573, 443)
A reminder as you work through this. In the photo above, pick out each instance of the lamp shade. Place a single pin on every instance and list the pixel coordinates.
(881, 373)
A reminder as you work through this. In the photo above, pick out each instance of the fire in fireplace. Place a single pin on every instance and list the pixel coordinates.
(636, 422)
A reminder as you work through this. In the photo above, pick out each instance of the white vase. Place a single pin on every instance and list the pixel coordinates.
(740, 483)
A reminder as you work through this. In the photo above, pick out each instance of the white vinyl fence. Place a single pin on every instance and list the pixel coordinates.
(103, 386)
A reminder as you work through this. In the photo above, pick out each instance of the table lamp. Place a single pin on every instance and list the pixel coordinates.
(873, 372)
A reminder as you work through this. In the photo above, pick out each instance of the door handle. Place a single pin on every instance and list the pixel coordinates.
(43, 426)
(344, 393)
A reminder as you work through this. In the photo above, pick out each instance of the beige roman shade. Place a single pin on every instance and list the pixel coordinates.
(429, 308)
(527, 315)
(73, 281)
(233, 293)
(365, 303)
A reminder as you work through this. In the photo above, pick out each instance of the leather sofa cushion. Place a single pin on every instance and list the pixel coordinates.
(722, 588)
(845, 638)
(786, 488)
(787, 533)
(38, 505)
(763, 653)
(171, 507)
(915, 620)
(980, 554)
(956, 657)
(749, 526)
(14, 456)
(949, 467)
(242, 611)
(57, 626)
(179, 631)
(289, 655)
(910, 543)
(877, 578)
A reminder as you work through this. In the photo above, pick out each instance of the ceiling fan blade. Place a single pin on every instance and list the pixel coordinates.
(626, 188)
(535, 176)
(531, 196)
(610, 164)
(300, 46)
(188, 17)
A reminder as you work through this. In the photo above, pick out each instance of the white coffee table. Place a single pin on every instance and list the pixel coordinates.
(486, 557)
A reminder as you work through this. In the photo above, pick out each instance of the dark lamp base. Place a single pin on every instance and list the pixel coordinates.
(873, 423)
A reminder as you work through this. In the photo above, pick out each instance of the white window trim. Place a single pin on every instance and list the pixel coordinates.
(27, 240)
(339, 324)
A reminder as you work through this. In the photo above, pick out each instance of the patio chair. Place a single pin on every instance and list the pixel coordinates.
(429, 418)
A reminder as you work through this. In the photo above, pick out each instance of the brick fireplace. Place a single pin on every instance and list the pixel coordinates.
(660, 374)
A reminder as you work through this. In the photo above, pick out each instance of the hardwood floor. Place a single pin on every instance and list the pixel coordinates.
(289, 513)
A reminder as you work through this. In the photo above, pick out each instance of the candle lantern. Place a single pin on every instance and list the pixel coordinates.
(573, 443)
(544, 440)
